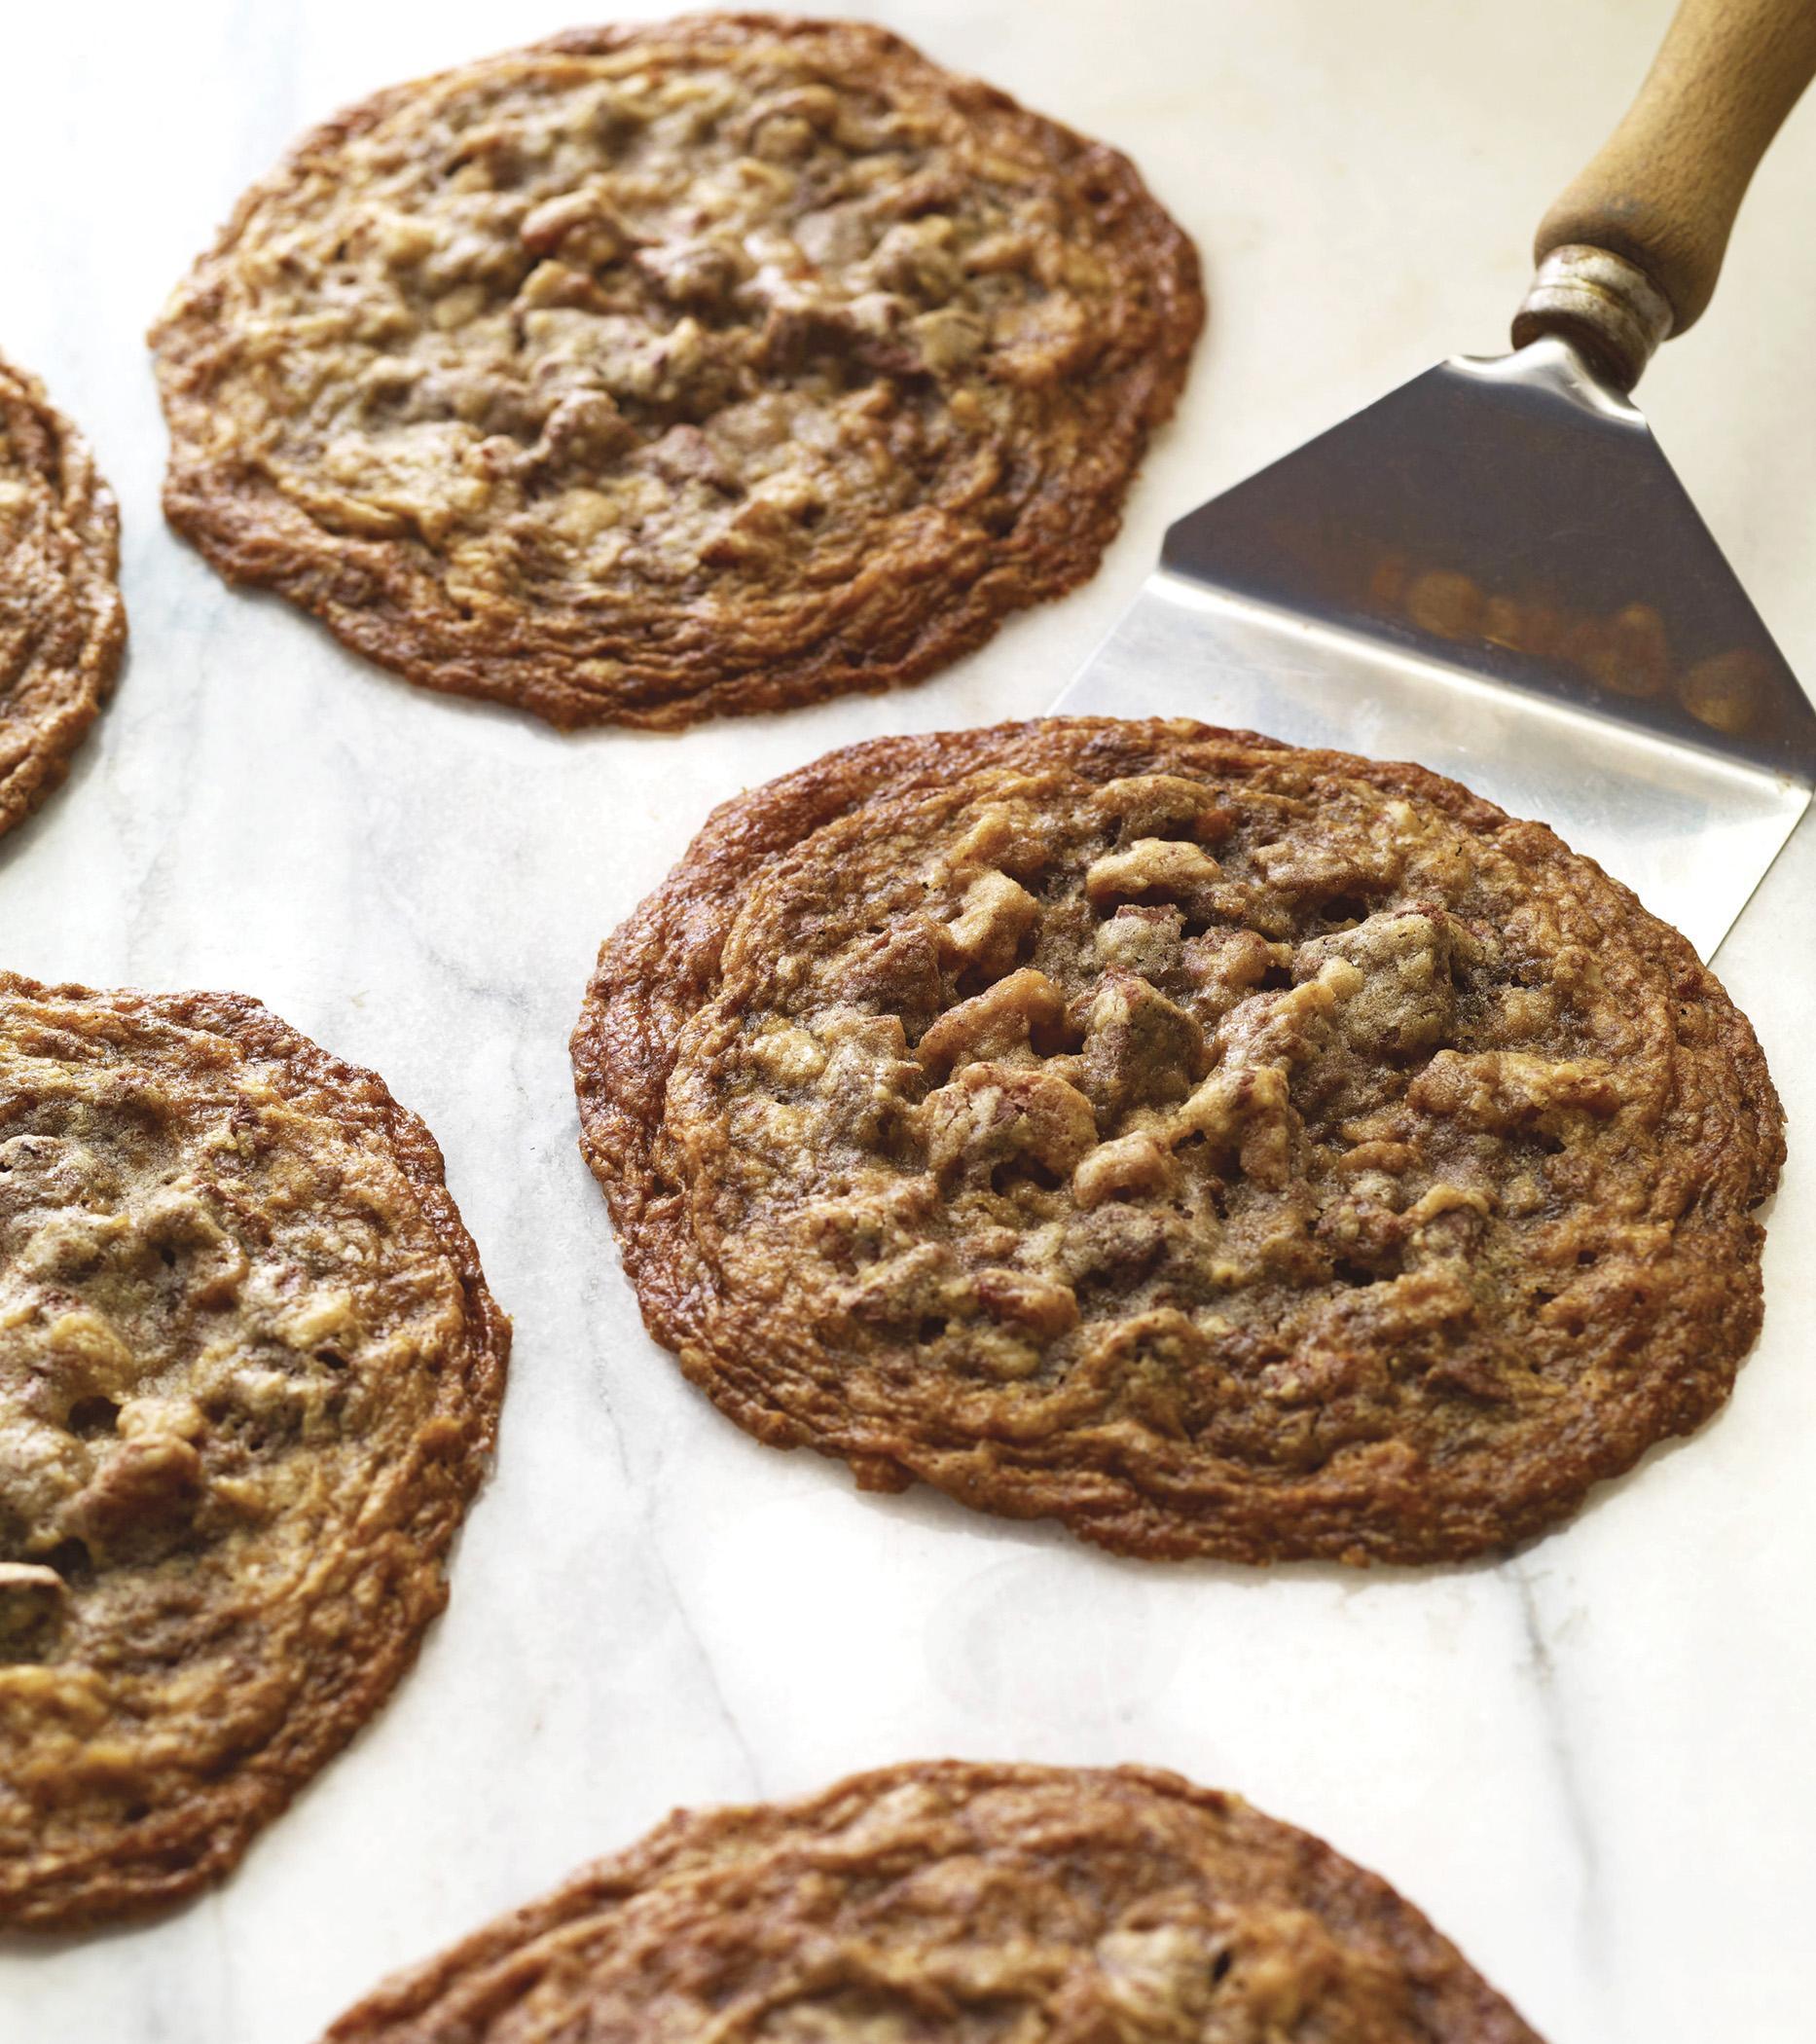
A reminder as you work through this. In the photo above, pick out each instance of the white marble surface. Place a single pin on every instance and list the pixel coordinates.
(1592, 1764)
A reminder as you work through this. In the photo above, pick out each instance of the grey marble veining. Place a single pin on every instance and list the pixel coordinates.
(1590, 1765)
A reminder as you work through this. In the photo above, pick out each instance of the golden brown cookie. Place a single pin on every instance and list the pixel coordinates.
(659, 372)
(1225, 1148)
(944, 1900)
(249, 1379)
(62, 626)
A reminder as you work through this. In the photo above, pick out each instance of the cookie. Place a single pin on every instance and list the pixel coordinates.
(62, 626)
(1224, 1149)
(249, 1379)
(958, 1902)
(668, 371)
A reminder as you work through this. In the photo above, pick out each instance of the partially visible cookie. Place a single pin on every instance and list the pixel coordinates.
(971, 1904)
(249, 1379)
(62, 626)
(665, 370)
(1224, 1149)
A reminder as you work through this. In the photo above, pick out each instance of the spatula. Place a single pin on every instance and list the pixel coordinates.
(1494, 570)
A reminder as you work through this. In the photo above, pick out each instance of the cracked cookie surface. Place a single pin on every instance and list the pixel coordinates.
(665, 370)
(249, 1379)
(963, 1902)
(1226, 1149)
(62, 626)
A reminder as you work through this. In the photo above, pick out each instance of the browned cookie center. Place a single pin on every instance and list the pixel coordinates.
(208, 1297)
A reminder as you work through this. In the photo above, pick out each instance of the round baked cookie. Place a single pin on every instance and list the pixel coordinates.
(665, 370)
(959, 1902)
(249, 1379)
(62, 626)
(1225, 1148)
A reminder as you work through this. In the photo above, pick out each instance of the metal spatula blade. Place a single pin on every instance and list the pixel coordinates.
(1494, 572)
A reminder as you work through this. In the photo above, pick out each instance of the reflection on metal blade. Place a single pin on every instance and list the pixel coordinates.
(1493, 571)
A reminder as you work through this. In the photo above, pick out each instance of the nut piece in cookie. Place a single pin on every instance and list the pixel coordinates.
(1220, 1148)
(968, 1903)
(661, 372)
(249, 1380)
(62, 626)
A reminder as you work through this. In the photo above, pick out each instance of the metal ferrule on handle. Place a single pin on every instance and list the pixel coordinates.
(1607, 309)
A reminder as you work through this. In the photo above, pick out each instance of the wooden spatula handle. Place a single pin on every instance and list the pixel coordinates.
(1631, 250)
